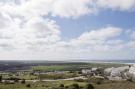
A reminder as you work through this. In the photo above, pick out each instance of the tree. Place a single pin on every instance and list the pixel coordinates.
(89, 86)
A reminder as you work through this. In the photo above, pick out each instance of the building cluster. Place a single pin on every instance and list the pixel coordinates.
(119, 73)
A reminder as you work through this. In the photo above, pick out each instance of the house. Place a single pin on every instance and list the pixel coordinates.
(86, 71)
(92, 71)
(8, 81)
(54, 72)
(131, 73)
(23, 72)
(119, 73)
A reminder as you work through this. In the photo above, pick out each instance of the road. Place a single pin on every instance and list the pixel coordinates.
(80, 77)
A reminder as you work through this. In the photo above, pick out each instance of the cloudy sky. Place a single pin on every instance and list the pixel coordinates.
(67, 29)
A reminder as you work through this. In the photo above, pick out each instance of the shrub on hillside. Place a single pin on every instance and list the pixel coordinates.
(95, 80)
(23, 81)
(28, 85)
(74, 86)
(61, 85)
(89, 86)
(79, 80)
(66, 87)
(0, 78)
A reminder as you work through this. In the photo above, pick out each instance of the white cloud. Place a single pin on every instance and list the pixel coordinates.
(30, 40)
(133, 35)
(73, 8)
(26, 30)
(130, 45)
(67, 9)
(101, 43)
(35, 31)
(62, 8)
(104, 33)
(122, 5)
(97, 37)
(4, 20)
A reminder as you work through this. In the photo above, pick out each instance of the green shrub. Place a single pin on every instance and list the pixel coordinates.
(54, 88)
(0, 78)
(23, 81)
(28, 85)
(98, 82)
(95, 80)
(89, 86)
(61, 85)
(66, 87)
(79, 80)
(74, 86)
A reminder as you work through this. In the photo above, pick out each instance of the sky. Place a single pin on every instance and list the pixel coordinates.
(67, 30)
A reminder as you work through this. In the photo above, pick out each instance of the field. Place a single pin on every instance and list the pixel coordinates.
(73, 66)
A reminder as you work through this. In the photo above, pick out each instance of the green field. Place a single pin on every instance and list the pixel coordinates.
(74, 67)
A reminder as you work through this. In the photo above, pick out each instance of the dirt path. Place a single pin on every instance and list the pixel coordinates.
(81, 77)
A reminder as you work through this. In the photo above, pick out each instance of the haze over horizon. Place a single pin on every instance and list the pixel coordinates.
(67, 29)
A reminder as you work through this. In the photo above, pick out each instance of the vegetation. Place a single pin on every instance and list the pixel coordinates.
(23, 81)
(61, 86)
(57, 76)
(89, 86)
(28, 85)
(73, 67)
(0, 78)
(69, 85)
(95, 80)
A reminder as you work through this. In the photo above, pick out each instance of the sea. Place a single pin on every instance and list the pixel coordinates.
(110, 61)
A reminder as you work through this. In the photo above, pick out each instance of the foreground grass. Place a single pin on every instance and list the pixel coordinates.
(39, 85)
(116, 85)
(51, 85)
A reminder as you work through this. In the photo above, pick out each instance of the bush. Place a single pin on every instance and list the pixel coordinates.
(80, 72)
(130, 80)
(54, 88)
(66, 87)
(98, 82)
(16, 80)
(75, 86)
(61, 85)
(95, 80)
(0, 78)
(79, 80)
(28, 85)
(23, 81)
(89, 86)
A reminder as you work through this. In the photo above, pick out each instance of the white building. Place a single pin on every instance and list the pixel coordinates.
(86, 71)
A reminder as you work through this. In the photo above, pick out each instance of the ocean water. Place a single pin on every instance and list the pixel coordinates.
(115, 61)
